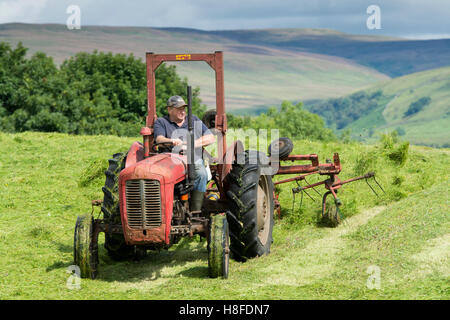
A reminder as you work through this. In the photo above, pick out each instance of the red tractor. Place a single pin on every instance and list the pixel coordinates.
(147, 193)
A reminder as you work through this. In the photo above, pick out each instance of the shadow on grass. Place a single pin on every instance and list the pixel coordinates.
(61, 264)
(195, 272)
(63, 247)
(148, 267)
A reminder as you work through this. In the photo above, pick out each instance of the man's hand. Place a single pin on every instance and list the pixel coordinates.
(177, 142)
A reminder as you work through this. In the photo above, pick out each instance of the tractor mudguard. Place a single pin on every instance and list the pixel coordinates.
(135, 154)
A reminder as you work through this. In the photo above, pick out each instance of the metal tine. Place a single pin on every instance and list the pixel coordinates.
(313, 188)
(309, 195)
(301, 196)
(301, 199)
(293, 201)
(302, 190)
(378, 184)
(371, 188)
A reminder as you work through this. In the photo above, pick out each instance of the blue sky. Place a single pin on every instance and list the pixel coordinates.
(407, 18)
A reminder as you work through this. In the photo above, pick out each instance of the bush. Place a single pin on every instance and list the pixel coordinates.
(417, 106)
(399, 154)
(365, 162)
(398, 180)
(291, 120)
(343, 111)
(394, 150)
(388, 139)
(400, 131)
(91, 93)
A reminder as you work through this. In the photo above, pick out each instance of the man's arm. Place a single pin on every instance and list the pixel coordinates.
(162, 139)
(204, 141)
(159, 132)
(206, 138)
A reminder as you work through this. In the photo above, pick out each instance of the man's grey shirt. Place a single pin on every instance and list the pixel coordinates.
(165, 127)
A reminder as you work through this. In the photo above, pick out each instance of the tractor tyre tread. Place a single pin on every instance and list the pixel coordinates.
(243, 183)
(114, 243)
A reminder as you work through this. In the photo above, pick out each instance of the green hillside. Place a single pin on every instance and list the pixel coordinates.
(389, 106)
(256, 75)
(392, 56)
(48, 179)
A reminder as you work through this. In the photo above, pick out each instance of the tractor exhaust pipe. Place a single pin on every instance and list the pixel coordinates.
(190, 145)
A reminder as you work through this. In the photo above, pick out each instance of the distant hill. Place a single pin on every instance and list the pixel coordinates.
(262, 67)
(416, 105)
(256, 75)
(392, 56)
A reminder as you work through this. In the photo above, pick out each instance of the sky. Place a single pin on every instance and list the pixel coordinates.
(417, 19)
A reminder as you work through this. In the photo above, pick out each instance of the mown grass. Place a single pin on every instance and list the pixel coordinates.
(47, 180)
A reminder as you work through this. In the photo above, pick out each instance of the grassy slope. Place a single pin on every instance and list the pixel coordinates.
(392, 56)
(405, 233)
(430, 125)
(255, 75)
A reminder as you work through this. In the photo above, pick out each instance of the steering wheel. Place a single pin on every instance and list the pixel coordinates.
(164, 144)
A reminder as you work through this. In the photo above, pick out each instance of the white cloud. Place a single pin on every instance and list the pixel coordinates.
(21, 10)
(427, 36)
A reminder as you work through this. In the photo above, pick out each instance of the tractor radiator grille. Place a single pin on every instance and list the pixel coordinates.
(143, 200)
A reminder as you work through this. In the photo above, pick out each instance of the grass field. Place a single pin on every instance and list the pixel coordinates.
(48, 179)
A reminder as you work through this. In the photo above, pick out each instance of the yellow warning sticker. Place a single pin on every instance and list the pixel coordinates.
(183, 57)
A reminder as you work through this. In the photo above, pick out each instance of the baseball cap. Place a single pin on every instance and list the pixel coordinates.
(176, 102)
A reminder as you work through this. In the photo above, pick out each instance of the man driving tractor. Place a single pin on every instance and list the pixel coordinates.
(173, 129)
(153, 199)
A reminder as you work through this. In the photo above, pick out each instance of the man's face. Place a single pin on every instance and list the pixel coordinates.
(177, 114)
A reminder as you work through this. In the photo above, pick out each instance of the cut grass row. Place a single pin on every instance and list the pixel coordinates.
(47, 180)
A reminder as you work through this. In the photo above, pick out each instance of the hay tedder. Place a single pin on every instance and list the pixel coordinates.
(147, 191)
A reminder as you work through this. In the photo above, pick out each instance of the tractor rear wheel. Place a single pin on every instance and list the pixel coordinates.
(218, 246)
(209, 119)
(114, 243)
(84, 255)
(250, 215)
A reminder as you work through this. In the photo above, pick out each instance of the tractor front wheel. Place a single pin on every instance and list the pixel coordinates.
(84, 253)
(218, 246)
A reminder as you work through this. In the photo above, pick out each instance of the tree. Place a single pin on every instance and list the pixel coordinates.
(417, 106)
(291, 120)
(91, 93)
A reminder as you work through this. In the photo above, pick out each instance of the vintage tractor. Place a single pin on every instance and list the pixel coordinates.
(147, 192)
